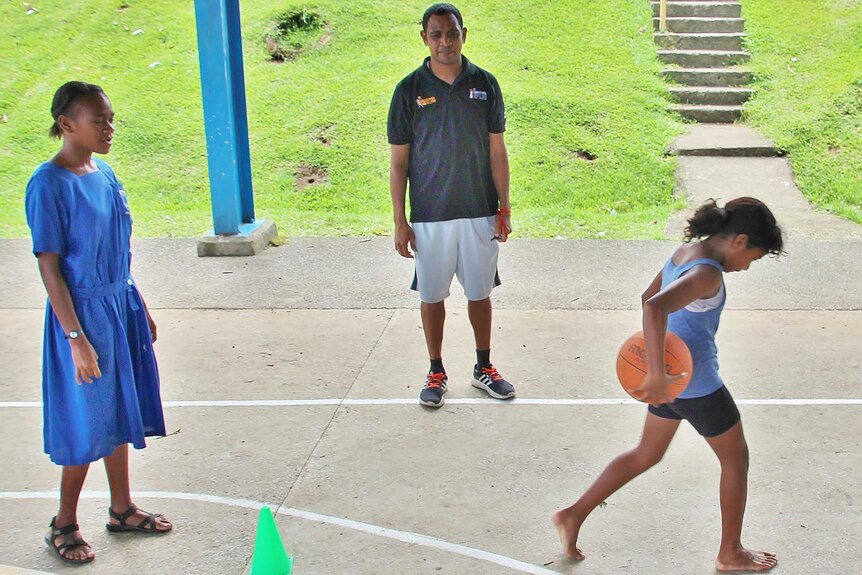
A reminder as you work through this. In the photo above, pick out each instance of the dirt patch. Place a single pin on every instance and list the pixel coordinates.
(308, 176)
(292, 32)
(584, 155)
(323, 135)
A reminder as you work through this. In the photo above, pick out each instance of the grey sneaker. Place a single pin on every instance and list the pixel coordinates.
(489, 380)
(434, 390)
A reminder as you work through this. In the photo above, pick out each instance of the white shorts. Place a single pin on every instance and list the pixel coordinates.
(465, 248)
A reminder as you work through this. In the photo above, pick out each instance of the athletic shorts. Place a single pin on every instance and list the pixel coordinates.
(710, 415)
(465, 248)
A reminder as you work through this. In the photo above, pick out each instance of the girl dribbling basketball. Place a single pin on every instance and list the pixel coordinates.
(687, 297)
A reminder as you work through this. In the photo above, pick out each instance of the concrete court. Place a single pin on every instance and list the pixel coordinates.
(372, 483)
(290, 379)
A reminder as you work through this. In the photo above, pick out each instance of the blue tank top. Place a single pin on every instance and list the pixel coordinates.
(696, 324)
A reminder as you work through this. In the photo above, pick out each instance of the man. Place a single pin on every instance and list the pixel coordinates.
(446, 124)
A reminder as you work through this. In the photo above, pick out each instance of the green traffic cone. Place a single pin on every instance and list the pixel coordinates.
(269, 557)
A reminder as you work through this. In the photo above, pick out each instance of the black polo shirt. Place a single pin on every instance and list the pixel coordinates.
(447, 128)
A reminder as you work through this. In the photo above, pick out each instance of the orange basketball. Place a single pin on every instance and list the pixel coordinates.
(631, 363)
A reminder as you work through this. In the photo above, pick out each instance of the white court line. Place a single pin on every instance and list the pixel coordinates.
(403, 536)
(463, 401)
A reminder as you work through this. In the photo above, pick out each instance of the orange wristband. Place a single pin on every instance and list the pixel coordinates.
(501, 215)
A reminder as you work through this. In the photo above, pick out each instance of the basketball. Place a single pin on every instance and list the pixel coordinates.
(631, 363)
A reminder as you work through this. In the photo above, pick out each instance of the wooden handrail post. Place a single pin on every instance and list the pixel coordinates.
(662, 16)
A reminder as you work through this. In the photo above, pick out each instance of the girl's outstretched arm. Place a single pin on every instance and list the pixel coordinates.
(85, 357)
(699, 283)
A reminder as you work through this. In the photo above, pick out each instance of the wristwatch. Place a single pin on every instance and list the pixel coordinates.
(74, 334)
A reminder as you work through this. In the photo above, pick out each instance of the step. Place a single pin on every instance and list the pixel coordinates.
(700, 9)
(710, 95)
(703, 58)
(708, 76)
(703, 41)
(722, 140)
(691, 25)
(708, 114)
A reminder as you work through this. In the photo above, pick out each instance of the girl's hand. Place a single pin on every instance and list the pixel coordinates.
(152, 326)
(86, 360)
(654, 389)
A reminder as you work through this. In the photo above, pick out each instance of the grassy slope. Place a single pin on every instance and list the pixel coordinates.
(811, 107)
(575, 78)
(159, 149)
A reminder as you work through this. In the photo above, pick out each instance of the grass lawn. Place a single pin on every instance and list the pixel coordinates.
(579, 78)
(807, 56)
(578, 81)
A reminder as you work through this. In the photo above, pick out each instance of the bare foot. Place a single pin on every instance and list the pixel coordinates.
(746, 560)
(568, 526)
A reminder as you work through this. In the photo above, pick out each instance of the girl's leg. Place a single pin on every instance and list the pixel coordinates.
(657, 435)
(117, 469)
(71, 483)
(732, 452)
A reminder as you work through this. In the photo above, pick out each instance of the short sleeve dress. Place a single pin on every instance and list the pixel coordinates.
(86, 220)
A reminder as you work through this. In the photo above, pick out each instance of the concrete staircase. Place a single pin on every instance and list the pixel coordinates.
(702, 48)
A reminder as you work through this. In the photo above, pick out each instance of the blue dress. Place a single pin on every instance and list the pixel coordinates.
(86, 220)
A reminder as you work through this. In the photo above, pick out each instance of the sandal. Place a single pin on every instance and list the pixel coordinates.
(147, 525)
(68, 543)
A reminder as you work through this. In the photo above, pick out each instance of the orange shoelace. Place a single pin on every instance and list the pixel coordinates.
(492, 373)
(436, 380)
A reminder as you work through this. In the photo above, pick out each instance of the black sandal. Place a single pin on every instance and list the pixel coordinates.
(147, 525)
(62, 549)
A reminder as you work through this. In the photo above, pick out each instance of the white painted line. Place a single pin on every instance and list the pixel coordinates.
(403, 536)
(12, 570)
(798, 401)
(463, 401)
(20, 404)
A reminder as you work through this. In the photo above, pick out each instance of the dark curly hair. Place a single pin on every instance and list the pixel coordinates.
(744, 215)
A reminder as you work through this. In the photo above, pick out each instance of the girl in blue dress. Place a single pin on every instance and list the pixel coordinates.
(100, 381)
(687, 297)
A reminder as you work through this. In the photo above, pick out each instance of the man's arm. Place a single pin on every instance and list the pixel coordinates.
(398, 164)
(500, 175)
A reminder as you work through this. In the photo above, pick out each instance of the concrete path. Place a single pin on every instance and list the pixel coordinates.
(290, 379)
(727, 161)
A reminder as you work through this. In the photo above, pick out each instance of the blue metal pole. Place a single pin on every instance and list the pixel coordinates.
(225, 116)
(240, 112)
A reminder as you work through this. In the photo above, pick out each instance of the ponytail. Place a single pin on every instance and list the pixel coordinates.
(707, 221)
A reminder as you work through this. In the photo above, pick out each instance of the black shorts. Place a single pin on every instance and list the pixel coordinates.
(710, 415)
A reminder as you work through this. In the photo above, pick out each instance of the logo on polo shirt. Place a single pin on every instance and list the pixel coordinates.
(422, 102)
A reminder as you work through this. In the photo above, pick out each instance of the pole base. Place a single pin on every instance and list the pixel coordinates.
(252, 239)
